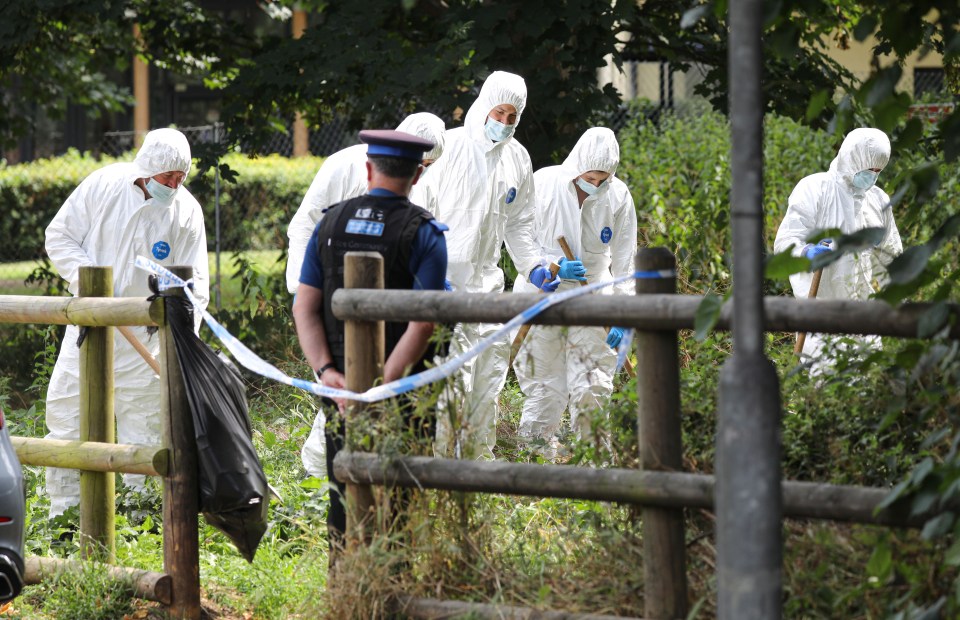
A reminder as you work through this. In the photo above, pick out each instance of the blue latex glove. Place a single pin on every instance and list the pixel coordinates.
(572, 270)
(447, 286)
(542, 279)
(614, 337)
(812, 251)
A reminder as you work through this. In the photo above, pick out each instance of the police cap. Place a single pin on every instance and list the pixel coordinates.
(392, 143)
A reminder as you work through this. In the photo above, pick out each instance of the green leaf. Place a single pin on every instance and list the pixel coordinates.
(923, 502)
(910, 264)
(694, 15)
(817, 102)
(908, 137)
(269, 439)
(921, 471)
(949, 229)
(708, 312)
(818, 235)
(937, 526)
(880, 564)
(933, 320)
(784, 265)
(895, 494)
(861, 240)
(880, 87)
(785, 40)
(312, 483)
(952, 555)
(865, 27)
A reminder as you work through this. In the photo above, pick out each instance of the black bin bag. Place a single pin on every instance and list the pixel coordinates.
(233, 488)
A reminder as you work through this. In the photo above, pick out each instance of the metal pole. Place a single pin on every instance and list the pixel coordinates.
(748, 493)
(216, 211)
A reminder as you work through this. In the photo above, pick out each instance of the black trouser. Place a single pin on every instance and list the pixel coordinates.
(334, 433)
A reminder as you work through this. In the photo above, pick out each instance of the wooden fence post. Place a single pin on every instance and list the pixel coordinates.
(181, 544)
(658, 399)
(365, 355)
(97, 489)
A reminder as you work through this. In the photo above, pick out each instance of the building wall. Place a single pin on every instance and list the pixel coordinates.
(649, 80)
(859, 56)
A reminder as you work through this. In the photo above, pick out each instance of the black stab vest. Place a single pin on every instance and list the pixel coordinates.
(383, 224)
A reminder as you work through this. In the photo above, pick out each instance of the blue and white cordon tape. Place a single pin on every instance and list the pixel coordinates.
(250, 360)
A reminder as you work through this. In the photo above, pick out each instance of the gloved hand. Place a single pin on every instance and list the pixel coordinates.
(614, 337)
(542, 279)
(812, 251)
(447, 286)
(572, 270)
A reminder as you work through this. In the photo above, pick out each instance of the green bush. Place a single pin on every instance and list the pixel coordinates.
(255, 209)
(678, 169)
(31, 194)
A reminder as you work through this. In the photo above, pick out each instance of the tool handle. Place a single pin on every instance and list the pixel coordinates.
(142, 350)
(522, 332)
(568, 253)
(814, 288)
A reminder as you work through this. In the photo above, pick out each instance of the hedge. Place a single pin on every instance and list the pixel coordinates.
(254, 214)
(677, 167)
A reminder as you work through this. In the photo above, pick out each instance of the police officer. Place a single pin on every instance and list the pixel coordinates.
(415, 257)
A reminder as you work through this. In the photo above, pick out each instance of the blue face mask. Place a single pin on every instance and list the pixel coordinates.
(160, 192)
(497, 131)
(588, 188)
(865, 179)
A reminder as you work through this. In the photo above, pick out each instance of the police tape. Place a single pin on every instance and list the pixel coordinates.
(251, 361)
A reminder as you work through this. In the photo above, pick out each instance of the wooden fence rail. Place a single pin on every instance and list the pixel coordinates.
(660, 488)
(93, 456)
(652, 312)
(84, 311)
(801, 500)
(178, 587)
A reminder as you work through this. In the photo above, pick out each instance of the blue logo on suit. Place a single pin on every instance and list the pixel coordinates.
(161, 250)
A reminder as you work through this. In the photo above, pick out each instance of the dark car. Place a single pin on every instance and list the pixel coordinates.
(12, 509)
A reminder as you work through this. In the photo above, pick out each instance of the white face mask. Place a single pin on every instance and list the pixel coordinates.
(865, 179)
(160, 192)
(497, 131)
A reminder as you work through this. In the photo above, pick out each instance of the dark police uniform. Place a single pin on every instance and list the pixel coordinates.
(412, 244)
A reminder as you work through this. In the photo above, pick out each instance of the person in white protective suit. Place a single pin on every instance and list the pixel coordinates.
(117, 213)
(342, 176)
(484, 213)
(844, 197)
(561, 367)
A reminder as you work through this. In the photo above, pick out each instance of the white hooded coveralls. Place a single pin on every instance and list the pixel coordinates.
(483, 214)
(342, 176)
(560, 367)
(830, 200)
(107, 221)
